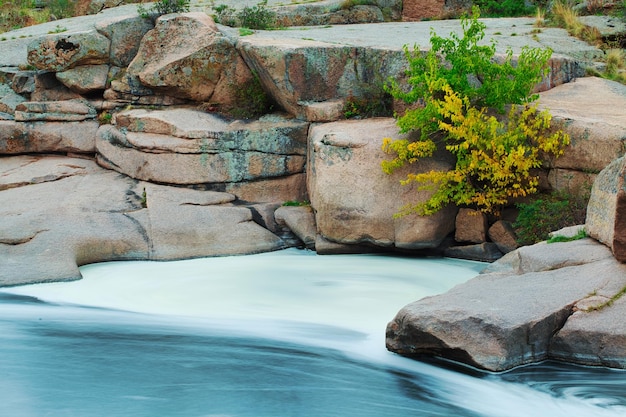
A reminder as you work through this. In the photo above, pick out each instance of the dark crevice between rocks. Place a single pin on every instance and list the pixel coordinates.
(145, 235)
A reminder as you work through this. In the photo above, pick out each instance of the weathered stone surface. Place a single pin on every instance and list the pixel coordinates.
(570, 180)
(9, 99)
(596, 337)
(326, 111)
(23, 82)
(68, 200)
(180, 228)
(357, 14)
(470, 226)
(186, 56)
(301, 220)
(298, 73)
(86, 78)
(413, 10)
(99, 215)
(545, 257)
(597, 129)
(606, 211)
(562, 70)
(331, 13)
(503, 235)
(192, 147)
(288, 188)
(121, 99)
(498, 321)
(84, 7)
(41, 137)
(326, 247)
(568, 232)
(67, 110)
(355, 201)
(125, 34)
(62, 51)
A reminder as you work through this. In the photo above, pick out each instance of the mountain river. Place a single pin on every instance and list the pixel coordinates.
(278, 334)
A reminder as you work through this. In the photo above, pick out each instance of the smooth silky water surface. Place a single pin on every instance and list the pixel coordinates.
(279, 334)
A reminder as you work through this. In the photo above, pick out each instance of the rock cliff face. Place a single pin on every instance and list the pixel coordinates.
(188, 67)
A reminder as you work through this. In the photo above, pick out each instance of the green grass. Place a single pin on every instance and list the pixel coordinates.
(559, 238)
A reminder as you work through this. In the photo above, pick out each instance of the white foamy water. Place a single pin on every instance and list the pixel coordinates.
(358, 293)
(288, 333)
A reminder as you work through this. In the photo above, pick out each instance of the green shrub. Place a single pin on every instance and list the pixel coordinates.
(61, 9)
(547, 213)
(495, 155)
(257, 17)
(504, 8)
(162, 7)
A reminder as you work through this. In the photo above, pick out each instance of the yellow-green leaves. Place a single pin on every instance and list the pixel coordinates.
(496, 154)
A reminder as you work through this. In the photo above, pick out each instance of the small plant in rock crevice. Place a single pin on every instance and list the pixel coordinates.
(581, 234)
(296, 203)
(549, 212)
(105, 118)
(377, 104)
(250, 99)
(565, 16)
(257, 17)
(161, 7)
(615, 66)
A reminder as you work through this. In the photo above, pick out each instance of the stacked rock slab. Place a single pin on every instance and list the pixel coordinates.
(186, 146)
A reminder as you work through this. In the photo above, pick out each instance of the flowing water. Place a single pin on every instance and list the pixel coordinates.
(280, 334)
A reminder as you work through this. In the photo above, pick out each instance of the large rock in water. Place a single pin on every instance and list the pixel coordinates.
(606, 211)
(186, 56)
(509, 315)
(58, 213)
(186, 146)
(355, 202)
